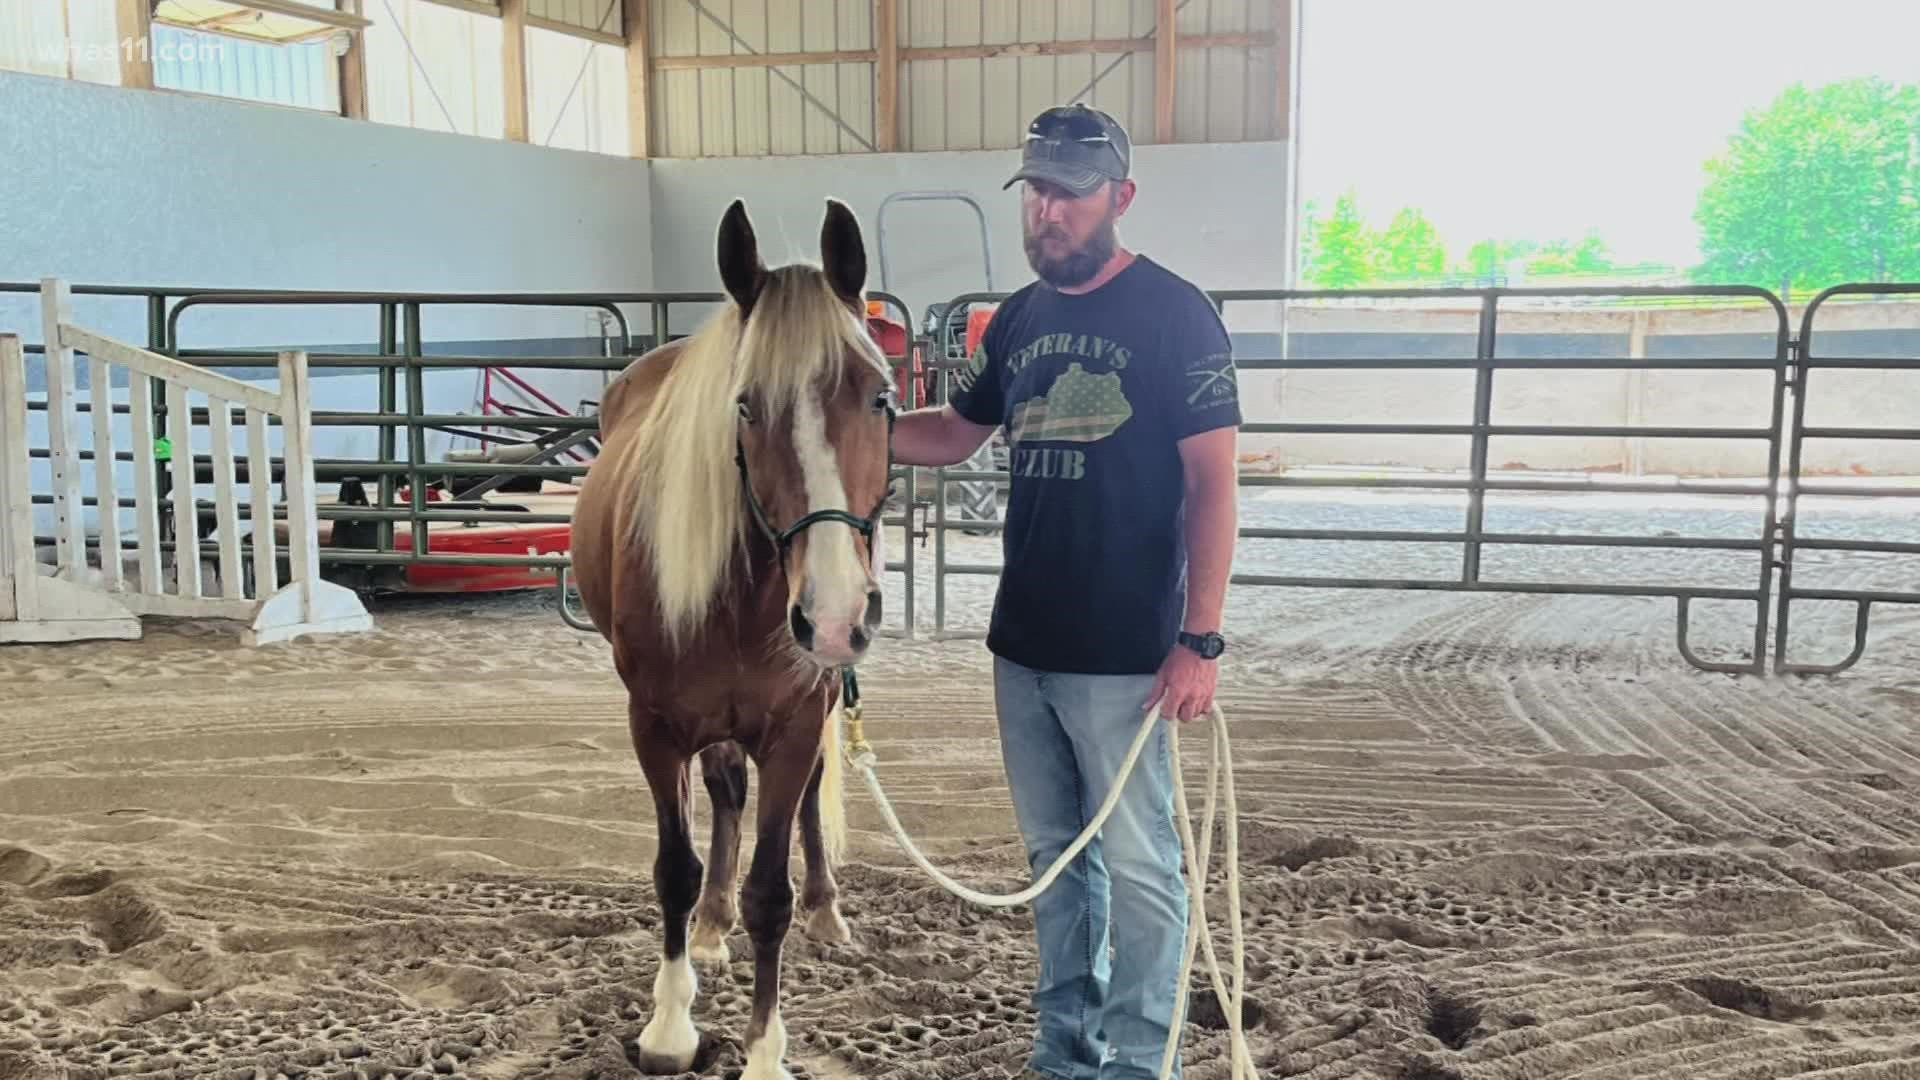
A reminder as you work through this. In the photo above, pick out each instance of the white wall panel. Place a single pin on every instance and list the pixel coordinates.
(1224, 94)
(33, 39)
(435, 64)
(74, 39)
(760, 110)
(434, 67)
(576, 93)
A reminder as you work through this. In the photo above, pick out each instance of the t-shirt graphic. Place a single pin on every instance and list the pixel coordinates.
(1095, 392)
(1079, 407)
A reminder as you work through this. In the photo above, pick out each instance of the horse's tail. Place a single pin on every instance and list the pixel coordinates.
(833, 810)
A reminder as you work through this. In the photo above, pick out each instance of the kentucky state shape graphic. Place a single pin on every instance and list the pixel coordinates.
(1079, 407)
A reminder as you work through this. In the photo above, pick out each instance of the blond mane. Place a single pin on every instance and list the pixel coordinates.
(686, 505)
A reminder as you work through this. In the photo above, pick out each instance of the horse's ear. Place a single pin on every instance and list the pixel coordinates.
(843, 253)
(740, 266)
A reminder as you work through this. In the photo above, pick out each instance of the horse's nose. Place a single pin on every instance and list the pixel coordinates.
(874, 606)
(831, 641)
(802, 627)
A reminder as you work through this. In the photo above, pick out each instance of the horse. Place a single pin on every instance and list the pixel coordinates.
(726, 543)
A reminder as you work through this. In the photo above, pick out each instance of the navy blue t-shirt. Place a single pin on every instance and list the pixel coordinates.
(1095, 392)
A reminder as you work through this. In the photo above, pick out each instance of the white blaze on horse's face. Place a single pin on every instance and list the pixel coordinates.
(835, 603)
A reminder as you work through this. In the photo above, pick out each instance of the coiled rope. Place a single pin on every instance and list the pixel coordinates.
(860, 755)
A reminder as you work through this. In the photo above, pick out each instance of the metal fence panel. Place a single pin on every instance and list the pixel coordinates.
(1820, 377)
(402, 419)
(1486, 361)
(1786, 553)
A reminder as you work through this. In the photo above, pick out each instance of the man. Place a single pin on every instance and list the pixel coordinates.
(1115, 382)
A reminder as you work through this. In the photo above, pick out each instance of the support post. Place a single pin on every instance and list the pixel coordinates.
(63, 443)
(306, 604)
(886, 30)
(1285, 65)
(639, 34)
(1636, 410)
(353, 70)
(513, 67)
(1164, 43)
(133, 24)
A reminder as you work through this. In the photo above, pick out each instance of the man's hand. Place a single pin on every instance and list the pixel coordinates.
(1184, 687)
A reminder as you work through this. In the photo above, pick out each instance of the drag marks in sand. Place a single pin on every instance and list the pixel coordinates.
(1483, 838)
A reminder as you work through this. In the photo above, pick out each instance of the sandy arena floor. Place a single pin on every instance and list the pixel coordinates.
(1484, 837)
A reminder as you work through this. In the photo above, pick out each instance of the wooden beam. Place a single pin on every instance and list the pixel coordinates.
(295, 10)
(886, 115)
(640, 66)
(1164, 45)
(753, 60)
(490, 8)
(513, 66)
(353, 72)
(133, 22)
(1283, 68)
(1256, 40)
(605, 37)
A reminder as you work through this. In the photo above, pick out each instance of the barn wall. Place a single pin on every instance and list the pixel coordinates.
(103, 185)
(791, 109)
(1223, 93)
(933, 250)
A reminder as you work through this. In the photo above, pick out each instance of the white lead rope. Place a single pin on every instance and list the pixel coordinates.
(861, 756)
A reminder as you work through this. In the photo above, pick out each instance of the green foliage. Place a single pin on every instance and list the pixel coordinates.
(1411, 246)
(1818, 188)
(1588, 256)
(1342, 251)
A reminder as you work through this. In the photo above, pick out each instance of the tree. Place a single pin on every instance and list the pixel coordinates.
(1588, 256)
(1818, 188)
(1341, 251)
(1489, 258)
(1411, 246)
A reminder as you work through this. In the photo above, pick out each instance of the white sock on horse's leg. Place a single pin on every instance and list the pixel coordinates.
(708, 944)
(670, 1036)
(767, 1052)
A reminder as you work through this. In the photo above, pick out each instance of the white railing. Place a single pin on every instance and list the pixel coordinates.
(102, 596)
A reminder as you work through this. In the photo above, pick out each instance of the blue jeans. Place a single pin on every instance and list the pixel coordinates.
(1064, 738)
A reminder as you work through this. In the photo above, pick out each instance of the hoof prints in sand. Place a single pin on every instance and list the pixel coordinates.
(336, 974)
(1470, 853)
(1370, 960)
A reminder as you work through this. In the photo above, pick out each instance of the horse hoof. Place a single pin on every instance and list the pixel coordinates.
(825, 924)
(668, 1049)
(709, 954)
(661, 1065)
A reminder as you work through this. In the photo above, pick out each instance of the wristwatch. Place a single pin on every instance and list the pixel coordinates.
(1209, 645)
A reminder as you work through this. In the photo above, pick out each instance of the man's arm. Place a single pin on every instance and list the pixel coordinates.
(1204, 392)
(1210, 463)
(936, 435)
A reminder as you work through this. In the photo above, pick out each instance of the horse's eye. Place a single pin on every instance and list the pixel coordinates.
(883, 401)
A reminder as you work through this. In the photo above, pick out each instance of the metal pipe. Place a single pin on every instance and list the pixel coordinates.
(416, 433)
(880, 225)
(386, 490)
(1484, 349)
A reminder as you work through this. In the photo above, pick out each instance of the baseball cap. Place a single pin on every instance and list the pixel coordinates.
(1076, 147)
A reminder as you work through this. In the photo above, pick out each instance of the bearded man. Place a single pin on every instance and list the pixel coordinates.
(1114, 379)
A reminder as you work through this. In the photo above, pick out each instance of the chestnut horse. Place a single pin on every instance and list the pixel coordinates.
(727, 545)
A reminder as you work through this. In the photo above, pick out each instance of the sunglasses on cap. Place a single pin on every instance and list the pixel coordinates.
(1078, 123)
(1074, 147)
